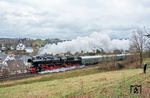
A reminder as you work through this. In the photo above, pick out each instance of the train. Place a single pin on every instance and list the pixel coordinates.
(49, 62)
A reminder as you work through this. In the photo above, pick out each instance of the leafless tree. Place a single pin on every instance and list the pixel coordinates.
(138, 42)
(147, 45)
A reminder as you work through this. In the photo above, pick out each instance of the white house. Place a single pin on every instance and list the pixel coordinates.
(20, 46)
(3, 47)
(29, 49)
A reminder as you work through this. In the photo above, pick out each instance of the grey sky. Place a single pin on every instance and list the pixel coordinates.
(68, 19)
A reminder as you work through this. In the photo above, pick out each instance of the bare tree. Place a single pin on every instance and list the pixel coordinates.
(147, 45)
(138, 42)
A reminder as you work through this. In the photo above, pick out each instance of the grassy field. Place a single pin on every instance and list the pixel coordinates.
(54, 76)
(82, 83)
(112, 84)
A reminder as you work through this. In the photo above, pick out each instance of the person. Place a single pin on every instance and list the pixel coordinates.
(145, 67)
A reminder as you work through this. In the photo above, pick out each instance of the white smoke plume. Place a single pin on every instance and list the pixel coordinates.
(94, 41)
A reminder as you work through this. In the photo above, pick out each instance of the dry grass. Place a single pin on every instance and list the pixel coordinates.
(50, 77)
(113, 83)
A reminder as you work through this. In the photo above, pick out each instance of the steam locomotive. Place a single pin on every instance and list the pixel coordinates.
(49, 62)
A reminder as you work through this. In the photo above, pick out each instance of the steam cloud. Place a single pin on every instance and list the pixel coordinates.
(94, 41)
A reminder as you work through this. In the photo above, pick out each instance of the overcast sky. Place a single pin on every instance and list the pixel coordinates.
(68, 19)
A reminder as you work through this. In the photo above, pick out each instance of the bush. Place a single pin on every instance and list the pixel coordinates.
(120, 66)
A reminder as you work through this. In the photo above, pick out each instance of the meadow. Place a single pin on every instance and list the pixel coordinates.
(81, 83)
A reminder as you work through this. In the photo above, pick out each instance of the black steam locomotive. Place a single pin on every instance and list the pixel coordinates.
(49, 62)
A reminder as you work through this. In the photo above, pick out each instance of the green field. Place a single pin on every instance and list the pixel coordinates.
(112, 84)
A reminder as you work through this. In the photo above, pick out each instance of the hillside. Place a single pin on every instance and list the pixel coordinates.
(97, 85)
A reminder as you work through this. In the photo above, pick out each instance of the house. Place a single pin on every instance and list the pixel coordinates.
(29, 50)
(11, 64)
(9, 57)
(3, 48)
(20, 46)
(16, 67)
(12, 47)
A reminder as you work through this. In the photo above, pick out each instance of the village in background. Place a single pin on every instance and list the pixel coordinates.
(14, 53)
